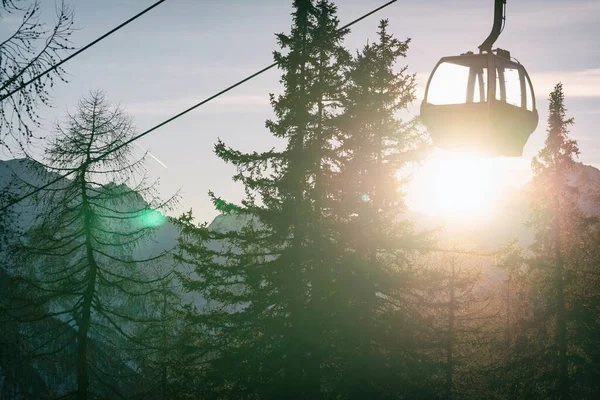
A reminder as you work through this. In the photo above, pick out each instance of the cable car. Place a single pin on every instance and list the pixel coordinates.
(481, 102)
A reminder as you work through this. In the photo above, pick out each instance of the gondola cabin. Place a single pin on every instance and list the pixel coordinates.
(480, 102)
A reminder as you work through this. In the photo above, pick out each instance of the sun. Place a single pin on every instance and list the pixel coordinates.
(462, 186)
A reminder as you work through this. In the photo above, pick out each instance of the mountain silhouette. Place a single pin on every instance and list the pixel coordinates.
(505, 222)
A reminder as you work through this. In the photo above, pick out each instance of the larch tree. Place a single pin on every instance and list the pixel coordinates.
(78, 262)
(32, 48)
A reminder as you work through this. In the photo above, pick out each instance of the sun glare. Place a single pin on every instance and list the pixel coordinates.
(463, 186)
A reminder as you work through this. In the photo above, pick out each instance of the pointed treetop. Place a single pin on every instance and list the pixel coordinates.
(559, 151)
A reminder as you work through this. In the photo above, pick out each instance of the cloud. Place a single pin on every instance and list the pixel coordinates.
(524, 16)
(582, 83)
(181, 71)
(174, 106)
(590, 112)
(581, 138)
(544, 14)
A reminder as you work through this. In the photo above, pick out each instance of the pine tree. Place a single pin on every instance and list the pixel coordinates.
(77, 262)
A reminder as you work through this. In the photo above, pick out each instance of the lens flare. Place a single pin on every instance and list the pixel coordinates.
(151, 219)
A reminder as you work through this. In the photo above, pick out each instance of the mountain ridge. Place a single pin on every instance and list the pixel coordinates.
(504, 222)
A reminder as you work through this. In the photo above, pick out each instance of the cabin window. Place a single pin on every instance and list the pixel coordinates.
(449, 84)
(529, 94)
(512, 80)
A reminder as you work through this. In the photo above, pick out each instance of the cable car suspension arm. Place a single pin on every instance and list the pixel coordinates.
(499, 19)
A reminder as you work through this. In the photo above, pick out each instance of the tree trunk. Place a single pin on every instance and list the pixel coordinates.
(450, 338)
(84, 322)
(561, 320)
(88, 296)
(319, 278)
(164, 372)
(295, 364)
(508, 282)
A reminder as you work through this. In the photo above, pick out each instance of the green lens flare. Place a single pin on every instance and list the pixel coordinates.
(151, 219)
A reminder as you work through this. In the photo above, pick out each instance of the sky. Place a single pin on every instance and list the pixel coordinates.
(185, 50)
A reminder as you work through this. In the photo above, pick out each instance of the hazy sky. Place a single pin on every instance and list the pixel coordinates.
(185, 50)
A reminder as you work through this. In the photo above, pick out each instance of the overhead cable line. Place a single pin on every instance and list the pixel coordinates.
(84, 48)
(214, 96)
(102, 156)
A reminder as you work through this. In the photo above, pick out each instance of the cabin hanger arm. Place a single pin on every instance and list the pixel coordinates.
(499, 20)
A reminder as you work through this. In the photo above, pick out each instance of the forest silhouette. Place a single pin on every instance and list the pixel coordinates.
(319, 283)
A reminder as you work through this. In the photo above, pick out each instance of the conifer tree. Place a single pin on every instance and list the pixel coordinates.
(161, 350)
(269, 283)
(458, 302)
(77, 263)
(307, 306)
(379, 244)
(554, 206)
(542, 353)
(522, 366)
(583, 308)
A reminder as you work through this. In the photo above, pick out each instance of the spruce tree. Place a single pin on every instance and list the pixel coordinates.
(553, 208)
(540, 359)
(379, 244)
(566, 257)
(269, 283)
(309, 294)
